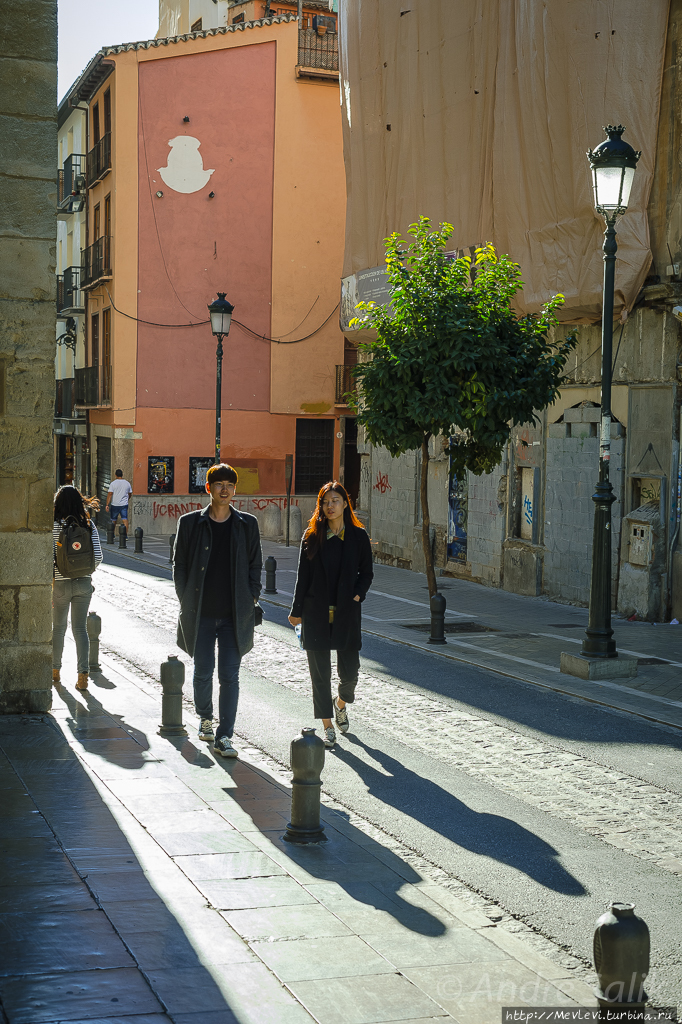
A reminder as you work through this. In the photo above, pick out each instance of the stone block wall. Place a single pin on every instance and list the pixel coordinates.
(28, 173)
(486, 524)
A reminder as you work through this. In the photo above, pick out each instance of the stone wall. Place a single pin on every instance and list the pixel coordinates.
(28, 169)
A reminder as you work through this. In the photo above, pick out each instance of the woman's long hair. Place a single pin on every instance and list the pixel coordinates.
(68, 501)
(316, 531)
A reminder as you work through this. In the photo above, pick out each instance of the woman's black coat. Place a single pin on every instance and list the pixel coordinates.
(311, 596)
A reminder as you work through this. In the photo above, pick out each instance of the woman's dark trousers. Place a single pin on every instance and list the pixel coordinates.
(348, 666)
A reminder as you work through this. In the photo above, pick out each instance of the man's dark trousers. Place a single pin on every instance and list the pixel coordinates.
(222, 631)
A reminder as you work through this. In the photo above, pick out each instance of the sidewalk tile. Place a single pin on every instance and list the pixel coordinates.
(36, 898)
(455, 946)
(246, 894)
(152, 806)
(70, 941)
(310, 959)
(179, 844)
(229, 865)
(255, 995)
(380, 998)
(312, 921)
(35, 862)
(69, 996)
(185, 989)
(370, 921)
(206, 820)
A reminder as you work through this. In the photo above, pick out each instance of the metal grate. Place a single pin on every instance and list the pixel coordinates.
(96, 261)
(320, 52)
(69, 295)
(99, 159)
(346, 384)
(314, 455)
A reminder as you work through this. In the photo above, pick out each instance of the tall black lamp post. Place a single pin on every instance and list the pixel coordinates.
(613, 166)
(220, 311)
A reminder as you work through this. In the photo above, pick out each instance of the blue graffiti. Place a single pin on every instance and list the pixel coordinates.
(528, 509)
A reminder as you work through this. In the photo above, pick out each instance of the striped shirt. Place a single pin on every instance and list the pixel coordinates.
(56, 530)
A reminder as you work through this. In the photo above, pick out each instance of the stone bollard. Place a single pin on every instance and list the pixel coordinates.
(270, 575)
(307, 762)
(93, 625)
(122, 536)
(171, 545)
(272, 522)
(295, 524)
(172, 682)
(111, 529)
(139, 533)
(621, 958)
(437, 605)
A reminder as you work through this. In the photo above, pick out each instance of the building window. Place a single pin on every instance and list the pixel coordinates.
(95, 123)
(96, 223)
(107, 111)
(94, 339)
(238, 19)
(107, 215)
(314, 455)
(197, 26)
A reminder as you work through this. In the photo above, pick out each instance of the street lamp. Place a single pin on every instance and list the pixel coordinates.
(220, 311)
(613, 166)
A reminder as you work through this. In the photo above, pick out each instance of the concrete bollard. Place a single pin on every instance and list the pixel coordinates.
(270, 575)
(295, 525)
(93, 625)
(307, 762)
(122, 536)
(621, 958)
(172, 682)
(437, 605)
(111, 530)
(139, 533)
(171, 546)
(272, 523)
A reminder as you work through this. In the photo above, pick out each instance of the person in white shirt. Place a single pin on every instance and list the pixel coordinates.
(119, 493)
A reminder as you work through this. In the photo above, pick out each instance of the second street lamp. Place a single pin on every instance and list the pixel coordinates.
(220, 311)
(613, 166)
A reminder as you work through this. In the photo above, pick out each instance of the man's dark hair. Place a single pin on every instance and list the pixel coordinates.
(119, 472)
(221, 472)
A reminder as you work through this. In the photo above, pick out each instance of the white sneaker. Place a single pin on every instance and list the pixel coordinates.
(224, 747)
(329, 737)
(341, 716)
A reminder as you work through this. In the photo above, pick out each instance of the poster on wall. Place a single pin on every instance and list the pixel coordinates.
(198, 468)
(160, 474)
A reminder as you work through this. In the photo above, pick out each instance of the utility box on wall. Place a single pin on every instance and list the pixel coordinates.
(642, 563)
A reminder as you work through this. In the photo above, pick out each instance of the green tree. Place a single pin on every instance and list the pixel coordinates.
(452, 357)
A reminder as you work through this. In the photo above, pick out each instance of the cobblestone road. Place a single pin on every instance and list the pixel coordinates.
(618, 808)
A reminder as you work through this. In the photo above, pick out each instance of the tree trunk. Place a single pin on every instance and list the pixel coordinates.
(426, 519)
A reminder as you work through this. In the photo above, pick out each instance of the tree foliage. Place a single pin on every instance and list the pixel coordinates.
(451, 355)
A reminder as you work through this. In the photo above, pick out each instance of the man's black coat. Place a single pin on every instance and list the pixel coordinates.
(190, 560)
(311, 597)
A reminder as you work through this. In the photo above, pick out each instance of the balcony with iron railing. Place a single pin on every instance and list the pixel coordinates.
(318, 55)
(64, 399)
(69, 295)
(346, 384)
(69, 181)
(99, 160)
(93, 386)
(96, 262)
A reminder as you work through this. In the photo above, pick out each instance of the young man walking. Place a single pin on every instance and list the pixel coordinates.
(217, 574)
(118, 498)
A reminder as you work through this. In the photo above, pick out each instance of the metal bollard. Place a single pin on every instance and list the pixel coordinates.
(621, 958)
(437, 605)
(270, 575)
(139, 533)
(172, 682)
(93, 625)
(122, 536)
(171, 545)
(111, 529)
(307, 762)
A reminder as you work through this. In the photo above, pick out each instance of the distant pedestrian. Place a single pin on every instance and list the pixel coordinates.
(118, 498)
(77, 553)
(217, 573)
(334, 574)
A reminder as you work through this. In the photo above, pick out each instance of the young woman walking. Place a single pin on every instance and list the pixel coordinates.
(70, 505)
(334, 575)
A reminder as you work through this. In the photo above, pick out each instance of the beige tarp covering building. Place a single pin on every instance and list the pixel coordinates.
(480, 112)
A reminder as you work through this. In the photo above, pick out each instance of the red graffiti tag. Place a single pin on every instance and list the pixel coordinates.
(382, 485)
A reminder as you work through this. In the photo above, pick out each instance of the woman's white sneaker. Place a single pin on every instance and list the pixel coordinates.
(341, 716)
(329, 737)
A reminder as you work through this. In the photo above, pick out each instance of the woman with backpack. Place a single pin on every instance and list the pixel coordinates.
(334, 574)
(77, 553)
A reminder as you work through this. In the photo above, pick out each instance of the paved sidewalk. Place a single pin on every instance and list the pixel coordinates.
(145, 881)
(521, 637)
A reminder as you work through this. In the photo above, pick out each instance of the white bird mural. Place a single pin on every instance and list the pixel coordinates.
(184, 170)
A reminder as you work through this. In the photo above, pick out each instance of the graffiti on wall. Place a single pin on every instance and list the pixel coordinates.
(382, 485)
